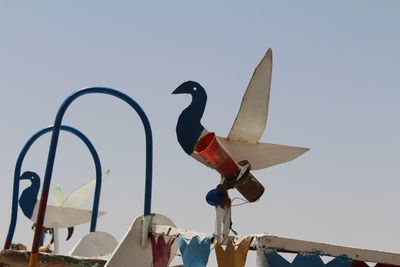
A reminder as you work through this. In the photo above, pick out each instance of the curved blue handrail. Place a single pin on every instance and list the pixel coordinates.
(17, 174)
(53, 148)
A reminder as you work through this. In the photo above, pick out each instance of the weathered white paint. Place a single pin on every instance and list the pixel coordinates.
(223, 222)
(281, 244)
(94, 244)
(145, 230)
(131, 253)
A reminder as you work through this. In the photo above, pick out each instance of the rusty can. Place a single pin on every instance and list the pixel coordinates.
(247, 184)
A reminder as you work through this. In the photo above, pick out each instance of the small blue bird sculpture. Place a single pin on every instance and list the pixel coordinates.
(56, 216)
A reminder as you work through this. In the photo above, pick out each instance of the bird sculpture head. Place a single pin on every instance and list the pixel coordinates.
(31, 176)
(190, 87)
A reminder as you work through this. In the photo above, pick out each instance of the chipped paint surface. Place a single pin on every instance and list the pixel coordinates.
(13, 258)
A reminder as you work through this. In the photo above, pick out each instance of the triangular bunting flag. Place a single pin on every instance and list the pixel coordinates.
(270, 258)
(161, 250)
(303, 260)
(231, 257)
(196, 253)
(340, 262)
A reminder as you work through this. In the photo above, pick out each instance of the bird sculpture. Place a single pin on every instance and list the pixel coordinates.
(60, 216)
(243, 139)
(242, 145)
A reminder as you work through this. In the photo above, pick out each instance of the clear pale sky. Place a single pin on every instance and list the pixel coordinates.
(335, 89)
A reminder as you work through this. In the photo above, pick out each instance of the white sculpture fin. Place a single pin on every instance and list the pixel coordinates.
(131, 253)
(95, 244)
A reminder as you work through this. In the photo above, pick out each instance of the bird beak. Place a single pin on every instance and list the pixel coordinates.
(179, 90)
(25, 176)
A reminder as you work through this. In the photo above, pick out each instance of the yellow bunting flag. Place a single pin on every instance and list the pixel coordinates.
(231, 257)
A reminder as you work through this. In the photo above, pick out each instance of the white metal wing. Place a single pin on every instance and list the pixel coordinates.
(250, 122)
(63, 217)
(262, 155)
(77, 197)
(58, 195)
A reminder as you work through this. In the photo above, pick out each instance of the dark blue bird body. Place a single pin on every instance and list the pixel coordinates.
(28, 198)
(189, 128)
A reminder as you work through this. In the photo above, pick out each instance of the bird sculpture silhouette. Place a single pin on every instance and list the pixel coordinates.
(241, 147)
(56, 216)
(243, 139)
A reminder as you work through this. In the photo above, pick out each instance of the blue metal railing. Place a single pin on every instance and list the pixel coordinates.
(17, 174)
(52, 153)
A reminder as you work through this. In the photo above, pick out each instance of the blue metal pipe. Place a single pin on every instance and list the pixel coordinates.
(17, 174)
(53, 148)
